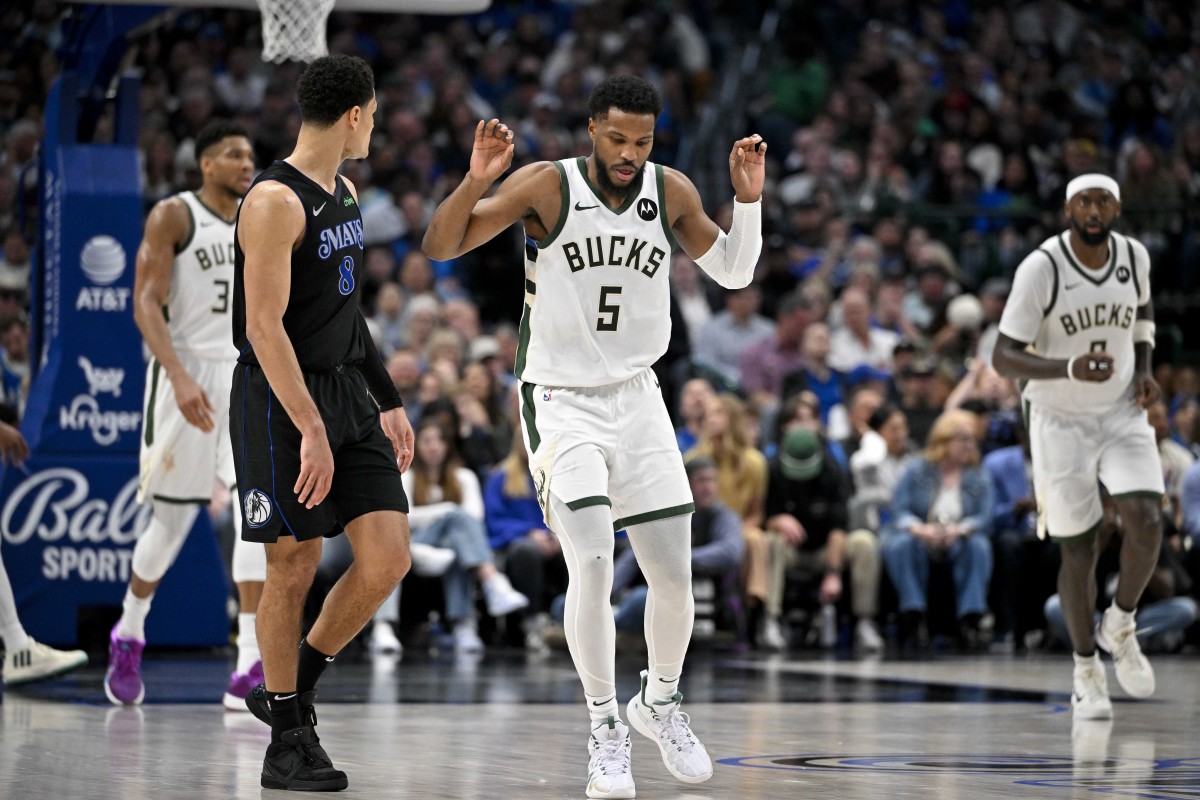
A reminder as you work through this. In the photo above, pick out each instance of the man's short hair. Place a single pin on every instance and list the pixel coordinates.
(214, 133)
(697, 463)
(331, 86)
(626, 93)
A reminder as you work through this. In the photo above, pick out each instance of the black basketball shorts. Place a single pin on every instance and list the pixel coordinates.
(266, 454)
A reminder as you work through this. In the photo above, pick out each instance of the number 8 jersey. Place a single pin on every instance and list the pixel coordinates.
(597, 294)
(1065, 309)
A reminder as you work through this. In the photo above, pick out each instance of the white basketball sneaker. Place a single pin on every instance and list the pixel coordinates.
(1134, 672)
(666, 725)
(38, 662)
(609, 771)
(1089, 699)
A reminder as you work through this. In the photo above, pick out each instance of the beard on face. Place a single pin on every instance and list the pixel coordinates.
(608, 186)
(1090, 239)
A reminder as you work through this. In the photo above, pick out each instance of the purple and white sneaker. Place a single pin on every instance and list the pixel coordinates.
(240, 684)
(123, 679)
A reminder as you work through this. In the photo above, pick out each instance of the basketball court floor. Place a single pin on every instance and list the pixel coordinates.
(509, 725)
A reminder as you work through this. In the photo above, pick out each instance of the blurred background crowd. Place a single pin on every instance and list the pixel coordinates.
(918, 152)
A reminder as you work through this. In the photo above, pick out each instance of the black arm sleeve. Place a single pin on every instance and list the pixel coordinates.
(378, 380)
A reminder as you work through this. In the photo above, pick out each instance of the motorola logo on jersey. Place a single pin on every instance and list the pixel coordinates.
(256, 508)
(1123, 274)
(339, 237)
(647, 209)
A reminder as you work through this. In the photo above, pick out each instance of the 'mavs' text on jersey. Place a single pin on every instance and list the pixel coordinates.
(612, 251)
(341, 236)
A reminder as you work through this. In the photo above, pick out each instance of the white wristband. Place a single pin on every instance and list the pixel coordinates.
(1071, 369)
(1143, 332)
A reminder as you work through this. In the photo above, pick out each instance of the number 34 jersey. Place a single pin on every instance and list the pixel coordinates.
(597, 295)
(201, 293)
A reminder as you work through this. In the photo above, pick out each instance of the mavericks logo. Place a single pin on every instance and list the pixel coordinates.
(256, 508)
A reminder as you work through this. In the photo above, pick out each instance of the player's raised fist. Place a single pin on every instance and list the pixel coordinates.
(493, 151)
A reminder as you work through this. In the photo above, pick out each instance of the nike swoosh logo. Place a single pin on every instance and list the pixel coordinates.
(285, 696)
(317, 211)
(602, 702)
(206, 224)
(1071, 286)
(331, 658)
(584, 208)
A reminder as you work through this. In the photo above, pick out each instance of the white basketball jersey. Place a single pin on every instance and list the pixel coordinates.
(597, 296)
(201, 296)
(1064, 309)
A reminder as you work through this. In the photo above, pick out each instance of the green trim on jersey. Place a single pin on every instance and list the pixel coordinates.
(1053, 292)
(565, 187)
(588, 502)
(1084, 271)
(629, 201)
(191, 234)
(148, 416)
(653, 516)
(523, 336)
(662, 206)
(212, 210)
(1137, 286)
(529, 415)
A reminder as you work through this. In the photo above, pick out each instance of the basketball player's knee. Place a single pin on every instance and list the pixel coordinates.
(1142, 519)
(595, 567)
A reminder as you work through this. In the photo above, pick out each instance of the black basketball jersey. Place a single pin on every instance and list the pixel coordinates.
(322, 313)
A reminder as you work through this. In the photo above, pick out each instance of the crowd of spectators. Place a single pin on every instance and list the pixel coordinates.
(918, 152)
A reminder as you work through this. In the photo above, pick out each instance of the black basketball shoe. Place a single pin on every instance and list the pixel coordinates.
(298, 763)
(256, 701)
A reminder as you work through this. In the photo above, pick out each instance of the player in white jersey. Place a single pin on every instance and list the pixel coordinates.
(599, 234)
(1078, 327)
(182, 302)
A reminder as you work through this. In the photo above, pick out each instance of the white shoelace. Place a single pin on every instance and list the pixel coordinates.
(612, 757)
(676, 729)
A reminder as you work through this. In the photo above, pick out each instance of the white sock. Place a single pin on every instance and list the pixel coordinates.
(661, 688)
(247, 642)
(1086, 661)
(601, 708)
(133, 617)
(11, 630)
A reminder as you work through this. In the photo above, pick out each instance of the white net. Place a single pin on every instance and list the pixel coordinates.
(294, 29)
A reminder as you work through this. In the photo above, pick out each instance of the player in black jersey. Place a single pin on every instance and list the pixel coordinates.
(311, 445)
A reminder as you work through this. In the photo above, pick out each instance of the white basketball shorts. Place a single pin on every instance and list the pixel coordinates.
(611, 445)
(178, 461)
(1074, 453)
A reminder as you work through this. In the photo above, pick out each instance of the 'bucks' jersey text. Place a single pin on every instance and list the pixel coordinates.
(597, 295)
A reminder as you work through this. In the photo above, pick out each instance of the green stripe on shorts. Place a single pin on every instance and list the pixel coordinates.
(529, 415)
(652, 516)
(588, 502)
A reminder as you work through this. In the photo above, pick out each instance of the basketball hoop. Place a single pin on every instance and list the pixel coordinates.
(294, 29)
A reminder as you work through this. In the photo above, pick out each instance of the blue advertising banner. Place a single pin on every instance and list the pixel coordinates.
(69, 520)
(68, 528)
